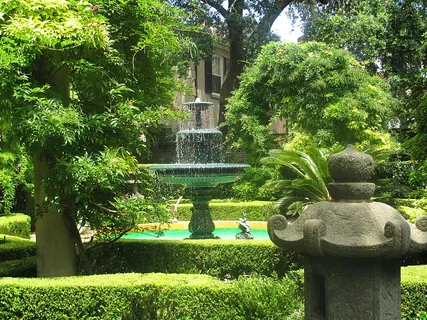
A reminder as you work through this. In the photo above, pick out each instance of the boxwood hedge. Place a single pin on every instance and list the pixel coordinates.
(175, 296)
(220, 258)
(255, 210)
(26, 267)
(149, 296)
(414, 292)
(15, 248)
(16, 224)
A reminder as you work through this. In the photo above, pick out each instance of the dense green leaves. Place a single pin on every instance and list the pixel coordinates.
(302, 178)
(321, 90)
(84, 86)
(389, 37)
(51, 24)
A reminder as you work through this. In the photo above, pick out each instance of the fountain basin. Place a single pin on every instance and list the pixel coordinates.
(225, 230)
(196, 175)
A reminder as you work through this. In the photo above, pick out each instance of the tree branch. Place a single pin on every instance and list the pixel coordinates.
(267, 21)
(218, 7)
(103, 208)
(106, 243)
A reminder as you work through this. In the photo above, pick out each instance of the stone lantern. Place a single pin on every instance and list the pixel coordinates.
(353, 246)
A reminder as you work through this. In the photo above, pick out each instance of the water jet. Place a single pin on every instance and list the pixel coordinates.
(199, 166)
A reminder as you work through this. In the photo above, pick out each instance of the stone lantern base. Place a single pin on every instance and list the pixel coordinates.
(351, 289)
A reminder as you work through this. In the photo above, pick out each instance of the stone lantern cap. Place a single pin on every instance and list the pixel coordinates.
(350, 225)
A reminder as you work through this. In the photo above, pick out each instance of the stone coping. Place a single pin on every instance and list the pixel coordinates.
(181, 225)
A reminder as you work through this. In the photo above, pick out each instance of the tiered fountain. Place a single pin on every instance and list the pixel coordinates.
(199, 167)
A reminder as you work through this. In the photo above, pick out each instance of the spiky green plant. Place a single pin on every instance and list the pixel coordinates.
(301, 179)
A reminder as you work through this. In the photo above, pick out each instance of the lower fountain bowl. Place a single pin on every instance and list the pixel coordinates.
(200, 175)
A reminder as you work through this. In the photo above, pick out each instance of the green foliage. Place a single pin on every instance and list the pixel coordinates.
(389, 37)
(17, 224)
(286, 293)
(51, 24)
(219, 258)
(255, 210)
(362, 26)
(14, 170)
(251, 185)
(302, 178)
(400, 178)
(85, 85)
(25, 268)
(16, 248)
(411, 209)
(110, 174)
(418, 177)
(322, 91)
(174, 296)
(413, 292)
(147, 296)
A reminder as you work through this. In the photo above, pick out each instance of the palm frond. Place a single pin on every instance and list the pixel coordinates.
(311, 176)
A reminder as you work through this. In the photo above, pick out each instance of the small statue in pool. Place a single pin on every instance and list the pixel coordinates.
(246, 229)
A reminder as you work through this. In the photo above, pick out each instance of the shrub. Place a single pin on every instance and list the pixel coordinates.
(220, 258)
(414, 291)
(411, 209)
(26, 267)
(16, 248)
(255, 210)
(149, 296)
(17, 224)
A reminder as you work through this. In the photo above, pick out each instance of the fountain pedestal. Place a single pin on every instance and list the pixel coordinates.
(201, 225)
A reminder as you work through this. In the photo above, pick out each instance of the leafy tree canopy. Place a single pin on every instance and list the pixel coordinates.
(322, 91)
(390, 38)
(83, 86)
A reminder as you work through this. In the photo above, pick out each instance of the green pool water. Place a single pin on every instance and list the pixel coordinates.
(223, 233)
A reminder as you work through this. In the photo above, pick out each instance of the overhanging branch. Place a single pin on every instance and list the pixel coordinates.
(267, 21)
(218, 7)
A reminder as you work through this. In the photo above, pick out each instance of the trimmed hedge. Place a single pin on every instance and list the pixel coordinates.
(414, 292)
(26, 267)
(175, 296)
(149, 296)
(219, 258)
(16, 248)
(16, 224)
(255, 210)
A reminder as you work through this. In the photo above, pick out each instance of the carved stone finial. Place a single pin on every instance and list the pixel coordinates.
(351, 170)
(350, 165)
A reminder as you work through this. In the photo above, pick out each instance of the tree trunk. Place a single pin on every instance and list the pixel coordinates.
(237, 57)
(56, 252)
(72, 226)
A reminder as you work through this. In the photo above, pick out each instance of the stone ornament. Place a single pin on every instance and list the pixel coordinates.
(350, 225)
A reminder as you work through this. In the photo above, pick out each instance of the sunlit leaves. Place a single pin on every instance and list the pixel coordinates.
(389, 37)
(321, 90)
(303, 181)
(86, 84)
(49, 24)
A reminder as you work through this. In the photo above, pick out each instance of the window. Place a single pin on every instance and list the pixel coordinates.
(216, 74)
(215, 69)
